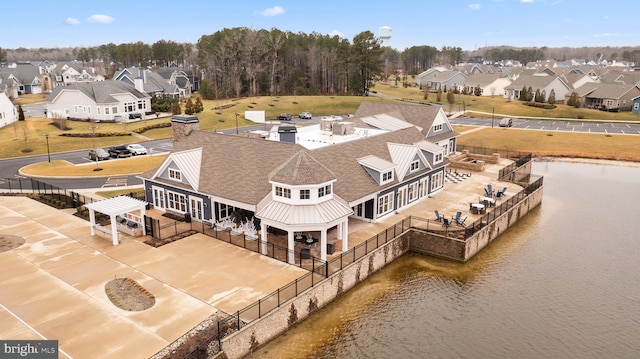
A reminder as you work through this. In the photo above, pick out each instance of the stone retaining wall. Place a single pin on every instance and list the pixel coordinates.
(260, 331)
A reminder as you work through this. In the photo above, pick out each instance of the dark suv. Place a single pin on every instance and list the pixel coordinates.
(284, 117)
(119, 152)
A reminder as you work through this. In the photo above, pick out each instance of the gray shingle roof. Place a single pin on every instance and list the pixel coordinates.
(99, 91)
(302, 169)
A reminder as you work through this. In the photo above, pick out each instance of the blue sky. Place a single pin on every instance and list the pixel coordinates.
(467, 24)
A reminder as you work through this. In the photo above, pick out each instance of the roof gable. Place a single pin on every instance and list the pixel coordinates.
(188, 162)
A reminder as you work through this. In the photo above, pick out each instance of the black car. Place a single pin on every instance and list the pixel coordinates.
(119, 152)
(135, 115)
(284, 117)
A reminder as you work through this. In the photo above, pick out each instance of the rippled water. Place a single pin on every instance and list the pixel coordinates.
(563, 283)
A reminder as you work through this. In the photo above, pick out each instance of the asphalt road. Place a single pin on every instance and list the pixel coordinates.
(555, 125)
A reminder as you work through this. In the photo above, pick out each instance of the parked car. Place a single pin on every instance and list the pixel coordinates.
(284, 117)
(98, 155)
(119, 152)
(137, 149)
(305, 116)
(135, 115)
(505, 122)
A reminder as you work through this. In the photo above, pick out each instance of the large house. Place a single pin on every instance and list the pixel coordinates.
(147, 81)
(100, 101)
(312, 178)
(8, 113)
(489, 84)
(538, 82)
(609, 96)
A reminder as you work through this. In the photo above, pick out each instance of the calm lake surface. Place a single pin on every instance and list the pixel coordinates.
(563, 283)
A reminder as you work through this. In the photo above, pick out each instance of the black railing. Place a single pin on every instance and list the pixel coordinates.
(521, 161)
(504, 152)
(319, 272)
(27, 186)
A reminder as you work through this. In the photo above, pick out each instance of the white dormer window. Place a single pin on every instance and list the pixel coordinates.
(438, 157)
(437, 128)
(305, 194)
(387, 176)
(415, 165)
(175, 174)
(283, 192)
(324, 191)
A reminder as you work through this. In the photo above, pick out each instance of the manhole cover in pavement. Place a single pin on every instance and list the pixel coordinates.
(9, 242)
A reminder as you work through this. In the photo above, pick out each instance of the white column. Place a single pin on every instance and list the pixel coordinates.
(339, 231)
(291, 248)
(144, 228)
(263, 237)
(345, 235)
(323, 244)
(114, 230)
(92, 219)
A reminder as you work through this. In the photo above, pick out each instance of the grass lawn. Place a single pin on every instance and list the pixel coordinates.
(554, 144)
(124, 166)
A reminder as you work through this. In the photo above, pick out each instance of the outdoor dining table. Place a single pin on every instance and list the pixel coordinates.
(477, 208)
(490, 201)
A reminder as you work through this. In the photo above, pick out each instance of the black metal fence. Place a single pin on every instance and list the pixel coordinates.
(318, 273)
(25, 186)
(504, 152)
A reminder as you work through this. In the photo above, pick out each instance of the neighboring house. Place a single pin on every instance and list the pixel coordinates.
(101, 101)
(291, 185)
(25, 77)
(147, 81)
(608, 97)
(445, 80)
(542, 83)
(576, 78)
(176, 77)
(635, 105)
(490, 84)
(8, 112)
(423, 77)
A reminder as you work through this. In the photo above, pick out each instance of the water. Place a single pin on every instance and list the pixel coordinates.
(562, 283)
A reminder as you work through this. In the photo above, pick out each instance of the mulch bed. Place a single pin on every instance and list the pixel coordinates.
(161, 242)
(127, 294)
(9, 242)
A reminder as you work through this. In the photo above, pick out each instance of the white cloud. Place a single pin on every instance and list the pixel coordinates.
(474, 6)
(528, 1)
(272, 11)
(606, 34)
(72, 21)
(100, 19)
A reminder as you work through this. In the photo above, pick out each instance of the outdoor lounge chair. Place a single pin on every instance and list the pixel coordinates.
(446, 223)
(501, 193)
(438, 216)
(460, 221)
(489, 191)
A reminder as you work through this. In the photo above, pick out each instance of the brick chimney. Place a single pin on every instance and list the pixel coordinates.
(182, 126)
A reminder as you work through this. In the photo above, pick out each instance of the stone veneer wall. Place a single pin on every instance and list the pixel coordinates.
(259, 332)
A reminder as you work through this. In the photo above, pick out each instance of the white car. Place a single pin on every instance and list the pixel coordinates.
(137, 149)
(305, 116)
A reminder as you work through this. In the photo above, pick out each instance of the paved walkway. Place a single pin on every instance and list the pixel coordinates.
(53, 285)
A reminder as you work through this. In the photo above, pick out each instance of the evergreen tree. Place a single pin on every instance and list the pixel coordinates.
(175, 109)
(426, 95)
(552, 97)
(523, 94)
(530, 94)
(573, 100)
(188, 108)
(205, 91)
(439, 95)
(198, 107)
(538, 96)
(451, 98)
(477, 91)
(20, 113)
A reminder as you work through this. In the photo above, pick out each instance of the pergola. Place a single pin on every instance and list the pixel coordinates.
(113, 207)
